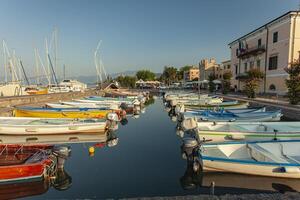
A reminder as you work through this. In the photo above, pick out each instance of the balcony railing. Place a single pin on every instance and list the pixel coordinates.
(244, 53)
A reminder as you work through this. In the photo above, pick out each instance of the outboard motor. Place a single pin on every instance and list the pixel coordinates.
(136, 110)
(189, 124)
(124, 106)
(112, 121)
(190, 150)
(136, 102)
(179, 108)
(173, 104)
(141, 98)
(112, 139)
(61, 153)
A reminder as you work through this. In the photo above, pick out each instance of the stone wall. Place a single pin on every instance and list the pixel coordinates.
(8, 103)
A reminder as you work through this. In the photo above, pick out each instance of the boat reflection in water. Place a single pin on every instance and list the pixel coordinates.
(30, 166)
(27, 170)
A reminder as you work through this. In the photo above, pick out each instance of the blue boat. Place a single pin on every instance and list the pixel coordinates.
(223, 116)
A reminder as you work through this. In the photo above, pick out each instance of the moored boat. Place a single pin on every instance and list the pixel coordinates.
(221, 116)
(40, 126)
(65, 112)
(25, 162)
(230, 131)
(264, 158)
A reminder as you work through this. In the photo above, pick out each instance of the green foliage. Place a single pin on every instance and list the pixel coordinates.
(226, 82)
(169, 75)
(127, 81)
(251, 79)
(182, 70)
(293, 83)
(145, 75)
(150, 101)
(211, 85)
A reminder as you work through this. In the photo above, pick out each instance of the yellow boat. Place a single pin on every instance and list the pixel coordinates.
(36, 91)
(61, 113)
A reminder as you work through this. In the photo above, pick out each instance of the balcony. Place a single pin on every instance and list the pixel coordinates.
(252, 51)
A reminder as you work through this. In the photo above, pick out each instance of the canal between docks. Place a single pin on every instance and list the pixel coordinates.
(147, 162)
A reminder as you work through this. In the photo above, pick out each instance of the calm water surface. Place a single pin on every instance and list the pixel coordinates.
(147, 162)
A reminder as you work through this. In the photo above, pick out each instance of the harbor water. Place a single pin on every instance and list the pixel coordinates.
(147, 162)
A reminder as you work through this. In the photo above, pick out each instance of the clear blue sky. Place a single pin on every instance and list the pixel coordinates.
(136, 34)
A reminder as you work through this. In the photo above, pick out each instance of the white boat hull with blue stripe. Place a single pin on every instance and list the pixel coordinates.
(265, 158)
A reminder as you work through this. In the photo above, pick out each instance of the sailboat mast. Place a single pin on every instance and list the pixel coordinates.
(56, 51)
(5, 62)
(48, 64)
(25, 75)
(37, 71)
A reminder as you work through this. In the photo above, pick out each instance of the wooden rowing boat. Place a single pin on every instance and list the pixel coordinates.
(263, 158)
(42, 126)
(63, 113)
(24, 162)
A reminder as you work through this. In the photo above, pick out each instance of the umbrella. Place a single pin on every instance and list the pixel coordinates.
(217, 81)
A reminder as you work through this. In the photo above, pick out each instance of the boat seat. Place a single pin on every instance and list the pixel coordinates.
(260, 154)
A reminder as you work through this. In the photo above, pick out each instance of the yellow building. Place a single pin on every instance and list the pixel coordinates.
(191, 74)
(270, 48)
(207, 67)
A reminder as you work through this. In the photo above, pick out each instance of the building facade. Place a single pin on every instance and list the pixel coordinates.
(270, 48)
(191, 74)
(223, 68)
(207, 67)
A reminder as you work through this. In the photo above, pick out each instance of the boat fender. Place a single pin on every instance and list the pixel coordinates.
(289, 169)
(204, 119)
(236, 137)
(92, 149)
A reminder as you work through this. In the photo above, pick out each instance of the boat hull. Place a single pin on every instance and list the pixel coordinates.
(37, 126)
(61, 114)
(248, 136)
(252, 169)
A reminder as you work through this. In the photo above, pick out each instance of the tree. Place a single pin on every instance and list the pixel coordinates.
(226, 82)
(211, 84)
(293, 83)
(169, 75)
(182, 70)
(145, 75)
(127, 81)
(251, 79)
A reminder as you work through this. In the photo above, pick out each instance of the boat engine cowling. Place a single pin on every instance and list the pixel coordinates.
(173, 103)
(62, 153)
(136, 102)
(189, 147)
(141, 98)
(112, 117)
(124, 106)
(189, 124)
(179, 109)
(190, 152)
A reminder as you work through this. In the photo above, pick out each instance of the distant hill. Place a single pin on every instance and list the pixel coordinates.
(93, 79)
(125, 73)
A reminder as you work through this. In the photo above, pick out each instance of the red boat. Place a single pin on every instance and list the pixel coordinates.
(18, 162)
